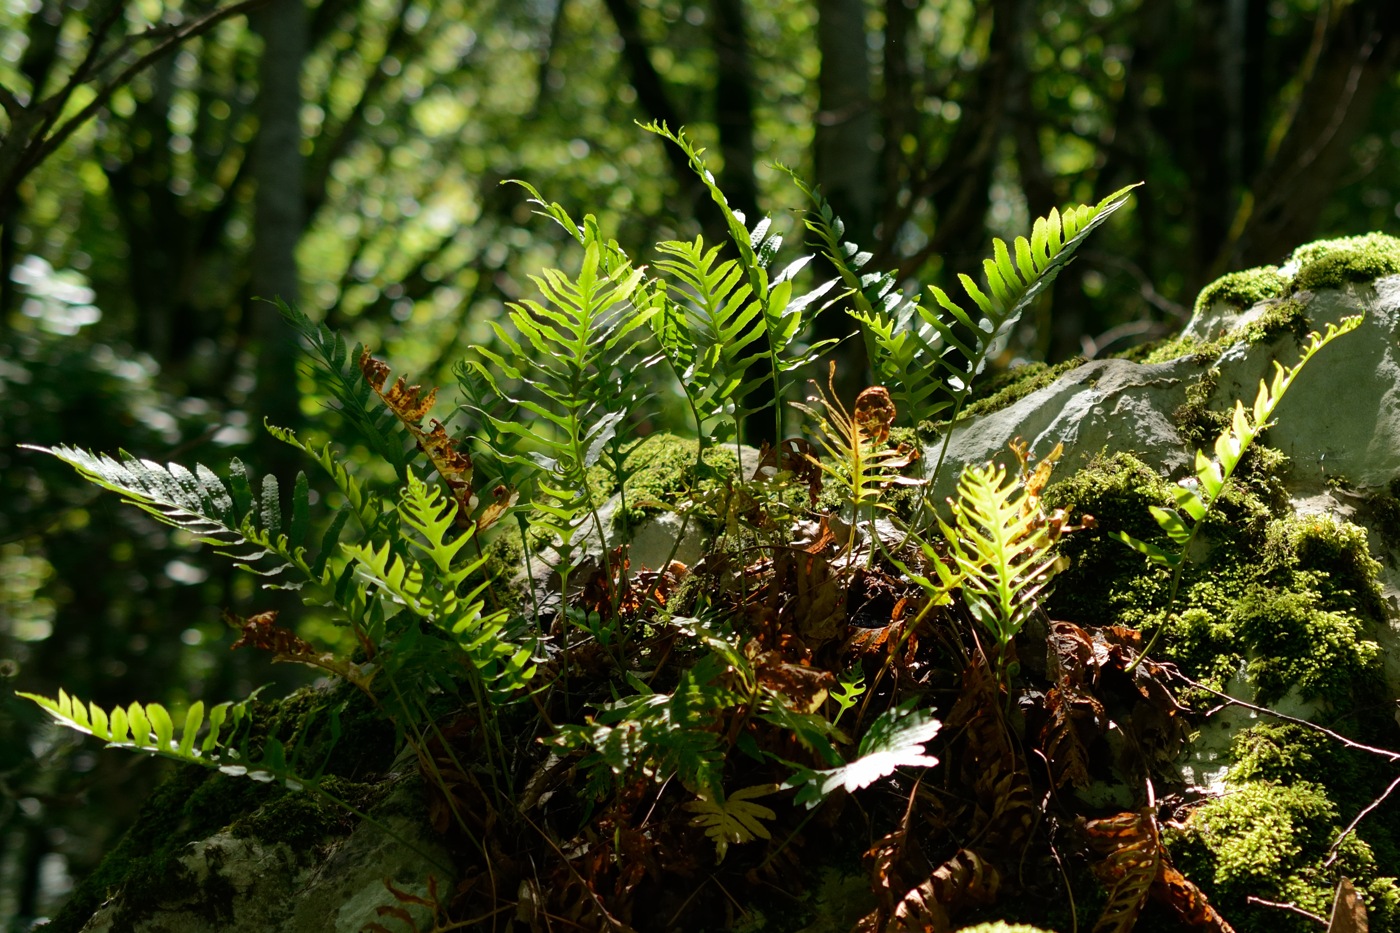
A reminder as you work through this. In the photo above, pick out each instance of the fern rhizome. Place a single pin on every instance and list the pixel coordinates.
(582, 722)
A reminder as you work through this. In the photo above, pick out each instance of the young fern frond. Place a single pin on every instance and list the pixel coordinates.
(857, 445)
(782, 313)
(1183, 523)
(734, 818)
(1000, 545)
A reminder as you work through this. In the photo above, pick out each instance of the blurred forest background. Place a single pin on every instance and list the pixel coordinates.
(165, 162)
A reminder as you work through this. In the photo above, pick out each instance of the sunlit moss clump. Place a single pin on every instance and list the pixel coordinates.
(1335, 263)
(1243, 289)
(1271, 841)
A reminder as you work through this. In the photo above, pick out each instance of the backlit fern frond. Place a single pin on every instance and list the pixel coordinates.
(781, 311)
(901, 342)
(569, 352)
(1000, 544)
(338, 373)
(705, 324)
(150, 728)
(242, 523)
(1012, 286)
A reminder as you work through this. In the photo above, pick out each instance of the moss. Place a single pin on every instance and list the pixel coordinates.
(192, 805)
(1106, 582)
(1287, 316)
(1281, 752)
(1197, 424)
(301, 820)
(1338, 554)
(1005, 389)
(1243, 289)
(1292, 641)
(1340, 262)
(1271, 840)
(663, 468)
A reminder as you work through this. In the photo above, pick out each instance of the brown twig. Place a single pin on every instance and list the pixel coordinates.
(1251, 899)
(1232, 701)
(1332, 853)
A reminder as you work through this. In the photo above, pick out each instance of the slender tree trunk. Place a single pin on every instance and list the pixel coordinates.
(278, 206)
(1299, 176)
(846, 159)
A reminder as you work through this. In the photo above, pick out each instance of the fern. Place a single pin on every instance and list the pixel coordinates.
(1000, 544)
(857, 446)
(706, 331)
(438, 592)
(1183, 523)
(781, 313)
(241, 523)
(926, 352)
(734, 818)
(150, 728)
(567, 351)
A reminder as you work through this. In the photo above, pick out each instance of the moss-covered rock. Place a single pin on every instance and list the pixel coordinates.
(1271, 841)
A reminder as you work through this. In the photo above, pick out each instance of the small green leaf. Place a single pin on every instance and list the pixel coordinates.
(162, 726)
(1189, 502)
(119, 727)
(1155, 554)
(1172, 523)
(194, 718)
(140, 725)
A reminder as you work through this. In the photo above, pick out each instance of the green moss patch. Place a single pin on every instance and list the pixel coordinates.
(1340, 262)
(1270, 841)
(1243, 289)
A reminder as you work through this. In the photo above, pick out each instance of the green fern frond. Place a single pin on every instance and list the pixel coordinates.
(437, 591)
(1012, 285)
(781, 312)
(338, 373)
(151, 729)
(240, 523)
(911, 347)
(1001, 545)
(705, 325)
(901, 344)
(1183, 523)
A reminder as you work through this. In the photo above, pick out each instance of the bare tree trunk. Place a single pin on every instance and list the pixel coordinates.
(846, 159)
(278, 206)
(1335, 106)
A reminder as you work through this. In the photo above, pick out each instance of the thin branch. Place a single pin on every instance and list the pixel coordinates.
(1292, 907)
(1232, 701)
(1332, 853)
(43, 147)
